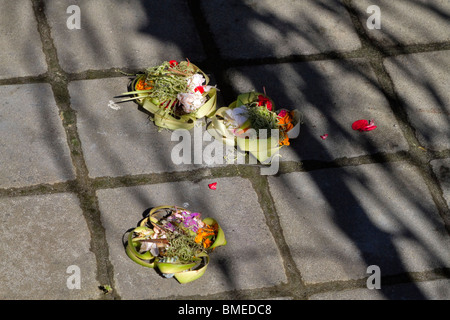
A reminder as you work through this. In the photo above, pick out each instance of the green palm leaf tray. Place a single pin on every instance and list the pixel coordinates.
(262, 149)
(162, 112)
(184, 272)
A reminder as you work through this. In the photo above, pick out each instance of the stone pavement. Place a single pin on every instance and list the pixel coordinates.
(78, 171)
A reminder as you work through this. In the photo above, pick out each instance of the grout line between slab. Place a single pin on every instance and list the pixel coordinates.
(295, 285)
(82, 185)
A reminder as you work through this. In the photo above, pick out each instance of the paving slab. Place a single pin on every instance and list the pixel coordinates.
(21, 53)
(331, 95)
(41, 237)
(338, 222)
(250, 260)
(33, 145)
(261, 29)
(441, 168)
(119, 139)
(407, 21)
(422, 81)
(430, 290)
(123, 34)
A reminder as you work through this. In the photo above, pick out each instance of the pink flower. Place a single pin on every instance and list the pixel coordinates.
(213, 185)
(324, 136)
(363, 125)
(282, 113)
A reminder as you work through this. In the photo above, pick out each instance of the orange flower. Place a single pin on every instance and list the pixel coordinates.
(288, 126)
(205, 234)
(286, 118)
(207, 243)
(141, 85)
(285, 122)
(285, 141)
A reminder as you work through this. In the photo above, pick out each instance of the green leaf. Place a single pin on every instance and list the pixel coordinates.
(133, 257)
(166, 267)
(132, 246)
(191, 275)
(220, 238)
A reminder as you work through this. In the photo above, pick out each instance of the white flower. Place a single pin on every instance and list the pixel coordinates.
(195, 81)
(191, 101)
(236, 117)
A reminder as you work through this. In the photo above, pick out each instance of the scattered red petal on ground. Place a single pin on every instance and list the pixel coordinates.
(363, 125)
(212, 186)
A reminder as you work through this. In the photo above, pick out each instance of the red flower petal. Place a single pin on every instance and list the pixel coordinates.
(200, 89)
(264, 101)
(370, 127)
(213, 185)
(360, 125)
(324, 136)
(173, 63)
(364, 125)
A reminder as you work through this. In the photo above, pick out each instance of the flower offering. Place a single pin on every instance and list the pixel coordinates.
(175, 241)
(175, 93)
(252, 123)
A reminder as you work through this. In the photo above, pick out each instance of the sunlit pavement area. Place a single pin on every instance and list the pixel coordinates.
(79, 170)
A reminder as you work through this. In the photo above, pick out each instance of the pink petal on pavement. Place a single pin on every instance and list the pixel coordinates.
(364, 125)
(213, 185)
(370, 126)
(359, 124)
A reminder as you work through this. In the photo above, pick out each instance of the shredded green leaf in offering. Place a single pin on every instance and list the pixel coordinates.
(183, 247)
(261, 118)
(168, 80)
